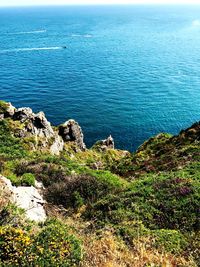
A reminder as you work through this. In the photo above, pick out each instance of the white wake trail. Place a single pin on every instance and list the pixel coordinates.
(28, 32)
(30, 49)
(82, 35)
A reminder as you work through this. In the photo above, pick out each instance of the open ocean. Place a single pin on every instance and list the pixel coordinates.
(129, 71)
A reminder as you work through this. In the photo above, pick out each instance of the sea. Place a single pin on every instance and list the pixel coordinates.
(128, 71)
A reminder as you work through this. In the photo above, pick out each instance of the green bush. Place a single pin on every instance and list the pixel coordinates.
(14, 246)
(131, 230)
(14, 179)
(12, 215)
(3, 107)
(82, 189)
(28, 179)
(10, 146)
(172, 241)
(55, 246)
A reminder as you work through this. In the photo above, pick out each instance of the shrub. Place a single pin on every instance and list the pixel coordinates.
(28, 179)
(10, 146)
(14, 179)
(160, 201)
(5, 195)
(173, 241)
(76, 190)
(12, 215)
(55, 246)
(14, 246)
(3, 107)
(21, 167)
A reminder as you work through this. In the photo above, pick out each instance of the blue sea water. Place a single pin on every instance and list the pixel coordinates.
(129, 71)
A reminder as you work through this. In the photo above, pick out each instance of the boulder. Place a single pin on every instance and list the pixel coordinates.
(70, 131)
(27, 198)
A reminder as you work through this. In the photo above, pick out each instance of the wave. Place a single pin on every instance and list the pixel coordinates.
(31, 49)
(28, 32)
(87, 36)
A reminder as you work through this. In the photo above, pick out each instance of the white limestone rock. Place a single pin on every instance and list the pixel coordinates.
(27, 198)
(57, 146)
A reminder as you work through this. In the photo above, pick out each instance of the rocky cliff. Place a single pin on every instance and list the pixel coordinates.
(37, 127)
(40, 133)
(34, 130)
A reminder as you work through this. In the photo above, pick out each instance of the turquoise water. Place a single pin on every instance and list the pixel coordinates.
(129, 71)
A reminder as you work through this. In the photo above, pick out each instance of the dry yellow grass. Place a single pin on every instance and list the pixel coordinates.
(104, 249)
(110, 252)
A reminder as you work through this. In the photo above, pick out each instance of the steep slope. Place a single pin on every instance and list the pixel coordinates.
(120, 208)
(163, 153)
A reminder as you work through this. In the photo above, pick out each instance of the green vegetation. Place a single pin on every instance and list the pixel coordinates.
(27, 179)
(10, 146)
(3, 107)
(160, 201)
(114, 208)
(52, 245)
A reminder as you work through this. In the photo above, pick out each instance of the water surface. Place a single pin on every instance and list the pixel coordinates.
(129, 71)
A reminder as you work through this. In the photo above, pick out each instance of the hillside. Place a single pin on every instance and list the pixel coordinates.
(105, 207)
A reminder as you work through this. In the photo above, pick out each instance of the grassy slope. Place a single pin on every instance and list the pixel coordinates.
(142, 208)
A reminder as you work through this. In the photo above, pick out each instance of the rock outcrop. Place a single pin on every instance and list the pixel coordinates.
(34, 124)
(109, 142)
(37, 126)
(105, 144)
(191, 134)
(57, 145)
(23, 114)
(27, 198)
(70, 131)
(38, 129)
